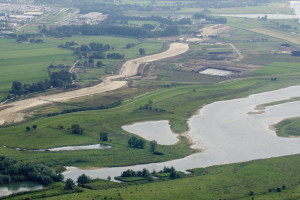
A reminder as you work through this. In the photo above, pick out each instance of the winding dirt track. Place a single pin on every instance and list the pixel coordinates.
(15, 111)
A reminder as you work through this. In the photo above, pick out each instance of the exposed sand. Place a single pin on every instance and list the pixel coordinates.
(14, 112)
(214, 29)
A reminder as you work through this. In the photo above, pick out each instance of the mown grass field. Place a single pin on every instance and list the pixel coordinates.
(274, 178)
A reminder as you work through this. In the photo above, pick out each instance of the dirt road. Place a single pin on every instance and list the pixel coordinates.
(15, 111)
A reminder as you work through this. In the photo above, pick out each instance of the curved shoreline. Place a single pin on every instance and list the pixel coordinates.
(228, 134)
(12, 112)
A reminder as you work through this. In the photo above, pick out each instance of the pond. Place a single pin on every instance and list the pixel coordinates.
(154, 130)
(228, 134)
(216, 72)
(71, 148)
(11, 188)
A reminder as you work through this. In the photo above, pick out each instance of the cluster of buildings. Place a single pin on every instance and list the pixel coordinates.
(16, 14)
(89, 18)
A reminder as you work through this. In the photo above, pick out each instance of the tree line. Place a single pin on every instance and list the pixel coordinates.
(214, 20)
(14, 171)
(102, 107)
(106, 29)
(57, 79)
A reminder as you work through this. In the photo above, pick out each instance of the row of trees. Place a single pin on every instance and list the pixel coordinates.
(57, 79)
(215, 20)
(101, 107)
(134, 142)
(106, 29)
(131, 173)
(13, 171)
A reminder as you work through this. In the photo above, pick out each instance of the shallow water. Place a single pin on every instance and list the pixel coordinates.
(73, 148)
(154, 130)
(216, 72)
(296, 6)
(11, 188)
(228, 134)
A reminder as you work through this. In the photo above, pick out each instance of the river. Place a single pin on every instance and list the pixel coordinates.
(295, 5)
(228, 134)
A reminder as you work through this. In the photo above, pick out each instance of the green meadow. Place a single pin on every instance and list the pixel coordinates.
(171, 99)
(288, 127)
(28, 63)
(274, 178)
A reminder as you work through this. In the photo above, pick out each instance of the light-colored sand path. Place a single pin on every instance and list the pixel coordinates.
(15, 111)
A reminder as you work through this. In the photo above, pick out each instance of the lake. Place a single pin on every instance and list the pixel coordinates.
(228, 134)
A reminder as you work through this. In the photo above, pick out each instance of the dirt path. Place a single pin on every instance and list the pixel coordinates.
(15, 111)
(241, 56)
(73, 66)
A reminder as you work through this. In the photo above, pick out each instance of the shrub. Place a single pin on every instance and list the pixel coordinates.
(76, 129)
(69, 184)
(83, 179)
(103, 136)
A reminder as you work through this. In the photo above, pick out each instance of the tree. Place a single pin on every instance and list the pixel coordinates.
(76, 129)
(83, 179)
(108, 178)
(69, 184)
(174, 175)
(153, 145)
(34, 126)
(91, 61)
(17, 88)
(103, 136)
(142, 51)
(99, 64)
(132, 141)
(27, 128)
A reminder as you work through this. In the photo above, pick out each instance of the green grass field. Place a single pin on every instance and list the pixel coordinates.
(288, 127)
(27, 62)
(274, 178)
(171, 99)
(266, 28)
(272, 8)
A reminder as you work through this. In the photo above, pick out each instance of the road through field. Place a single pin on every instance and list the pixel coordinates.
(15, 111)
